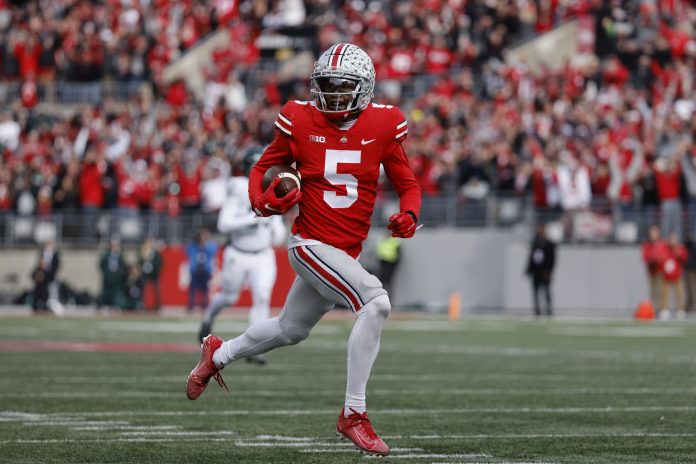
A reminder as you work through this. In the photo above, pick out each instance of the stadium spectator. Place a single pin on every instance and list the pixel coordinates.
(540, 265)
(39, 294)
(574, 188)
(200, 253)
(49, 262)
(91, 184)
(150, 263)
(388, 252)
(625, 163)
(133, 295)
(690, 273)
(214, 185)
(672, 264)
(668, 178)
(10, 131)
(652, 251)
(113, 277)
(687, 150)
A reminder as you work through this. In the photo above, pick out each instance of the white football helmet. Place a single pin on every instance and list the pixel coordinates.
(343, 81)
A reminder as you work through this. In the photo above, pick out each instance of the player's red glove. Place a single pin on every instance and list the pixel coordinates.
(269, 204)
(402, 225)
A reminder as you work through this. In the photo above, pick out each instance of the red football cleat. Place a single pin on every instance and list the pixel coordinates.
(358, 429)
(205, 369)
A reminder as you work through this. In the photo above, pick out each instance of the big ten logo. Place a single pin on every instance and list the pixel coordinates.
(317, 138)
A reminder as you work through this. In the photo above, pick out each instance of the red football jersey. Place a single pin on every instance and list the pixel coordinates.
(340, 170)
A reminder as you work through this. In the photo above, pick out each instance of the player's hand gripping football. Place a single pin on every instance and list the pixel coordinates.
(402, 225)
(269, 204)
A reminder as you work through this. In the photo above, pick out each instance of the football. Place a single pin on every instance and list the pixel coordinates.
(289, 179)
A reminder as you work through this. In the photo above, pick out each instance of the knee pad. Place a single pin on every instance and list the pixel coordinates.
(379, 306)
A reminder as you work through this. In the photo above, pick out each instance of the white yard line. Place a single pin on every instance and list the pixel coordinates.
(275, 444)
(433, 456)
(102, 379)
(110, 440)
(334, 450)
(283, 438)
(510, 351)
(379, 391)
(617, 331)
(70, 423)
(125, 427)
(89, 395)
(537, 435)
(12, 416)
(182, 433)
(222, 327)
(328, 450)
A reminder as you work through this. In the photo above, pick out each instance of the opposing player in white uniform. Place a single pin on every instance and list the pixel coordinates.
(248, 257)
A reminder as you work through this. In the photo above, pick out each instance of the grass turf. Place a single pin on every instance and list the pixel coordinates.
(483, 389)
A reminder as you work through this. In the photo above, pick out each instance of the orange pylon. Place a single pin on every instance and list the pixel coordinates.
(645, 311)
(454, 306)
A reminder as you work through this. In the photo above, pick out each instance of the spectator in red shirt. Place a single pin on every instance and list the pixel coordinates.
(27, 53)
(126, 199)
(91, 188)
(653, 251)
(673, 261)
(5, 189)
(189, 175)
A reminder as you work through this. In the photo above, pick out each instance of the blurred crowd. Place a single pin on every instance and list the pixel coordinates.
(615, 125)
(80, 40)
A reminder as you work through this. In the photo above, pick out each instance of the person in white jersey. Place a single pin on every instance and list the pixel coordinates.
(248, 257)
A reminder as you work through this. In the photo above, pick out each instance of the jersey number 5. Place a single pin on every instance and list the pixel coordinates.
(333, 157)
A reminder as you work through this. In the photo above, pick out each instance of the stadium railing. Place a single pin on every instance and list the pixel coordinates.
(597, 224)
(72, 93)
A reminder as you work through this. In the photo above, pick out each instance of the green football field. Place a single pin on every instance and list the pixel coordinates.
(478, 390)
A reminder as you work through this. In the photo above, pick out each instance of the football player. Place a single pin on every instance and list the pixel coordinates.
(338, 142)
(248, 256)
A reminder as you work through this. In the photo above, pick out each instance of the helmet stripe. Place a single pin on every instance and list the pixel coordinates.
(342, 54)
(337, 54)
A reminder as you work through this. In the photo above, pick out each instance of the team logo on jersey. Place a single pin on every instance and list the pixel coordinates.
(344, 139)
(317, 138)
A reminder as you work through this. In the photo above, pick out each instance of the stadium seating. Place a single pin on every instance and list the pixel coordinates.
(90, 123)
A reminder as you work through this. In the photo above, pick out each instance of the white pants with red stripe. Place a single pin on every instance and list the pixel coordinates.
(326, 276)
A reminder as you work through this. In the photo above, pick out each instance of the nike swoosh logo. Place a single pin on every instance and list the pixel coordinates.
(365, 142)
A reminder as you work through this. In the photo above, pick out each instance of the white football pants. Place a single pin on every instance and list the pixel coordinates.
(326, 276)
(257, 270)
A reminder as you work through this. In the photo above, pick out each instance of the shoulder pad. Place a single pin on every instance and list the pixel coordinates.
(397, 120)
(286, 115)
